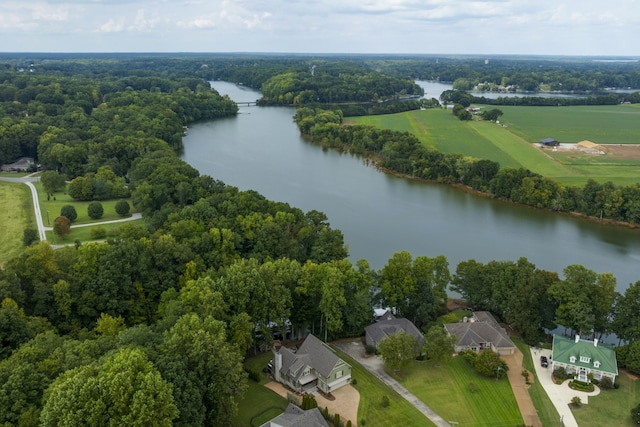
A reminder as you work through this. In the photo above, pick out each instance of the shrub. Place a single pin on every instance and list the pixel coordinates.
(385, 401)
(253, 375)
(325, 413)
(95, 210)
(560, 374)
(576, 401)
(122, 208)
(581, 386)
(353, 381)
(29, 236)
(635, 414)
(349, 423)
(98, 233)
(336, 420)
(606, 383)
(369, 349)
(70, 212)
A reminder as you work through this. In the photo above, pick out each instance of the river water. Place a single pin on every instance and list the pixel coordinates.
(379, 214)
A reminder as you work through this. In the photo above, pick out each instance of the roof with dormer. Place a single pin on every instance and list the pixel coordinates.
(576, 352)
(313, 353)
(480, 329)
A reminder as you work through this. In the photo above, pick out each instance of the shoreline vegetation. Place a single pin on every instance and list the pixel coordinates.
(402, 154)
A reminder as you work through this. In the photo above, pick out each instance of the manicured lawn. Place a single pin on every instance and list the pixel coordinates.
(259, 403)
(546, 411)
(84, 233)
(446, 389)
(16, 209)
(399, 412)
(612, 407)
(50, 209)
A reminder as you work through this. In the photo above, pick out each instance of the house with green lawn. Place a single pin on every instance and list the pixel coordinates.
(584, 357)
(313, 366)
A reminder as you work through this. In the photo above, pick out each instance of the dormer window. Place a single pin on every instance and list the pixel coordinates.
(596, 364)
(572, 359)
(585, 359)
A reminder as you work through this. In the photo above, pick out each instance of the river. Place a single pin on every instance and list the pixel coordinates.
(379, 214)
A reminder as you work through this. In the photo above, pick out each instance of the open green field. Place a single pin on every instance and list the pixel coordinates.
(612, 407)
(511, 142)
(446, 390)
(546, 411)
(83, 234)
(16, 209)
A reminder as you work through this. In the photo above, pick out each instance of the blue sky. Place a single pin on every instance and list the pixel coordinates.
(528, 27)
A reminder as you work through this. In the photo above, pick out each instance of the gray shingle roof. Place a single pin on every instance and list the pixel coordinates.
(293, 416)
(313, 353)
(383, 328)
(484, 329)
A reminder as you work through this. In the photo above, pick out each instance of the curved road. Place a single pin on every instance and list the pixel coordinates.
(29, 180)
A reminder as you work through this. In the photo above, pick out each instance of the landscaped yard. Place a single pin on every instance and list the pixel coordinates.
(449, 391)
(17, 214)
(612, 407)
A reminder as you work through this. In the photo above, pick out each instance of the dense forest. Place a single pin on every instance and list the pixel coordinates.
(151, 327)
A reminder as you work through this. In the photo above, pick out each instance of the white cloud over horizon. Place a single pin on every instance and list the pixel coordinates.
(527, 27)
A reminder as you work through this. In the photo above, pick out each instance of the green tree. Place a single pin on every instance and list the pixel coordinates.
(490, 364)
(438, 346)
(398, 350)
(126, 390)
(52, 181)
(95, 210)
(61, 227)
(626, 322)
(29, 236)
(492, 115)
(122, 208)
(70, 212)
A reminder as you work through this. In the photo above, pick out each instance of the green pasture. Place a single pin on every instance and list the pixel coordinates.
(546, 411)
(611, 407)
(16, 209)
(602, 124)
(446, 389)
(510, 143)
(83, 234)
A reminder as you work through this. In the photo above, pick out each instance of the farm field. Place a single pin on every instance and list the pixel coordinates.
(515, 145)
(17, 214)
(446, 389)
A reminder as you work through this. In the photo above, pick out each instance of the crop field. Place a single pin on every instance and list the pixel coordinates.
(17, 214)
(513, 142)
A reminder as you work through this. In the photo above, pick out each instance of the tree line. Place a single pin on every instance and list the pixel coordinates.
(402, 152)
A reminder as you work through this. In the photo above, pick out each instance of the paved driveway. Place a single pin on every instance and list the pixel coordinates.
(560, 394)
(374, 364)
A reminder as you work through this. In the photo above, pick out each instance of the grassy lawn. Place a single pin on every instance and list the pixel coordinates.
(50, 209)
(17, 214)
(612, 407)
(446, 389)
(259, 403)
(399, 412)
(512, 145)
(546, 411)
(84, 233)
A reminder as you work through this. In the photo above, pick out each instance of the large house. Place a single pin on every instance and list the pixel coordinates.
(387, 324)
(584, 357)
(479, 332)
(293, 416)
(313, 365)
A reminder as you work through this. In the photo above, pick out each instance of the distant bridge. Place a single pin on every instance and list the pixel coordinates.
(246, 103)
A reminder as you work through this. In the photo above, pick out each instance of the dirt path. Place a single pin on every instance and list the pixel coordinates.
(520, 389)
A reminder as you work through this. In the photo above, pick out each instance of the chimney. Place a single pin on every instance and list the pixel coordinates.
(595, 342)
(277, 366)
(577, 338)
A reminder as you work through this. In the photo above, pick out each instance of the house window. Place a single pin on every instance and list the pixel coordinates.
(572, 359)
(596, 364)
(585, 359)
(339, 374)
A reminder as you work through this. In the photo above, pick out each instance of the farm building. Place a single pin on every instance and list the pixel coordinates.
(549, 142)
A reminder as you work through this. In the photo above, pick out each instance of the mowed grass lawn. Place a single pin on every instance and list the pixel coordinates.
(446, 389)
(612, 407)
(16, 213)
(513, 145)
